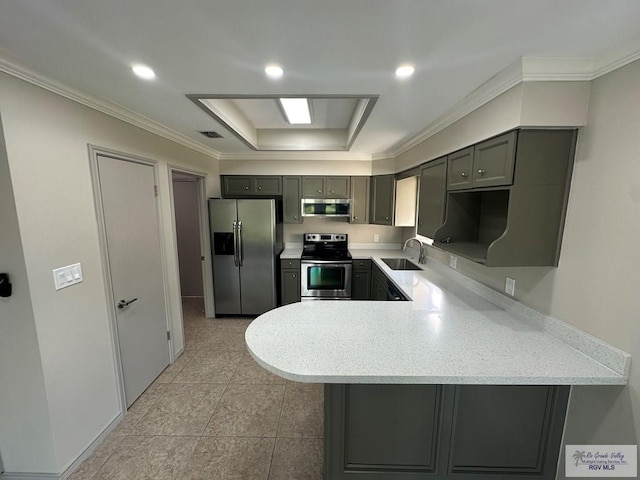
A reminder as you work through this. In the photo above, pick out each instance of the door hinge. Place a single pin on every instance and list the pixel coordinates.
(155, 190)
(168, 335)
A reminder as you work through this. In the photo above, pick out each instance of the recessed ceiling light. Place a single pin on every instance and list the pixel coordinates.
(143, 72)
(273, 71)
(404, 71)
(296, 110)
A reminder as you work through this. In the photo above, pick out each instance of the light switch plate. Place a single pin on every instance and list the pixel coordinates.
(376, 238)
(510, 286)
(67, 276)
(453, 261)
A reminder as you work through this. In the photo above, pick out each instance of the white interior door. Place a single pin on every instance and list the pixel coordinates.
(135, 262)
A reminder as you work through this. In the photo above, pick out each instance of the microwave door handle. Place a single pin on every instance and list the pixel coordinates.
(240, 255)
(235, 244)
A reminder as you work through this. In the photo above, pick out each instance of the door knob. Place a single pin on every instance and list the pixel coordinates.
(124, 303)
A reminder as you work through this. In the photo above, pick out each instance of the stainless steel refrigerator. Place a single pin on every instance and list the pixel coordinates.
(246, 239)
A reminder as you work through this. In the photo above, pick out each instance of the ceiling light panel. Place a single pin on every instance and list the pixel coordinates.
(143, 71)
(273, 71)
(296, 110)
(404, 71)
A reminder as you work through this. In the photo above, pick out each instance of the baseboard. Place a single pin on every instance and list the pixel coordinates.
(74, 465)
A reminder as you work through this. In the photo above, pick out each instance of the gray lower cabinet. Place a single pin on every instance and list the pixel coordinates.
(412, 432)
(289, 281)
(379, 283)
(291, 196)
(432, 197)
(359, 200)
(382, 201)
(361, 280)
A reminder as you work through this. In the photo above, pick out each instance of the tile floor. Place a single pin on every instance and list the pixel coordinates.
(215, 414)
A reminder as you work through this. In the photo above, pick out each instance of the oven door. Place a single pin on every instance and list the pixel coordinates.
(325, 280)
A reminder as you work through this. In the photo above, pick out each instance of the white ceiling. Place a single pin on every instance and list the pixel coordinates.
(328, 47)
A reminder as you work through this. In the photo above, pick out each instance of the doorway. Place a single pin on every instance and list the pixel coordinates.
(191, 230)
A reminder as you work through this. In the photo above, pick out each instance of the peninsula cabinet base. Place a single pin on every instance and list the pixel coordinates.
(413, 432)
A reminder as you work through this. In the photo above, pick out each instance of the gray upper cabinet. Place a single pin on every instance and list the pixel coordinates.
(460, 169)
(520, 221)
(493, 161)
(234, 186)
(359, 200)
(432, 197)
(291, 199)
(486, 164)
(326, 187)
(382, 202)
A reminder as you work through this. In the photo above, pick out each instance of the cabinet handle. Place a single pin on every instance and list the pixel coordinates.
(481, 172)
(259, 188)
(355, 218)
(319, 191)
(332, 191)
(246, 188)
(386, 218)
(295, 217)
(294, 275)
(464, 174)
(357, 276)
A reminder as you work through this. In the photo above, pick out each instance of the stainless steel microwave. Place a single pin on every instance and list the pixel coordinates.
(326, 207)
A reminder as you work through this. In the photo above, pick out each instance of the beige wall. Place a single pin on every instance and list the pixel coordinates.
(595, 286)
(25, 429)
(47, 139)
(295, 167)
(357, 233)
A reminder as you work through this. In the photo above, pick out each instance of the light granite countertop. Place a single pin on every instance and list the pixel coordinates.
(453, 331)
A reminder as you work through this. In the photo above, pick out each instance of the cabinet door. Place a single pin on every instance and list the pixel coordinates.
(268, 185)
(361, 285)
(291, 199)
(234, 186)
(359, 200)
(432, 197)
(493, 161)
(460, 169)
(382, 199)
(290, 286)
(512, 430)
(337, 187)
(370, 436)
(313, 187)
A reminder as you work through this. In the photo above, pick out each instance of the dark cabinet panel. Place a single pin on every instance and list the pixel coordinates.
(460, 169)
(369, 437)
(325, 187)
(313, 187)
(236, 186)
(382, 199)
(291, 197)
(432, 198)
(361, 285)
(359, 200)
(507, 429)
(417, 432)
(493, 161)
(267, 185)
(290, 286)
(242, 186)
(337, 187)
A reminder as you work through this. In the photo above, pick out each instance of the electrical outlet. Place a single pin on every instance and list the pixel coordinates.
(453, 261)
(510, 286)
(376, 238)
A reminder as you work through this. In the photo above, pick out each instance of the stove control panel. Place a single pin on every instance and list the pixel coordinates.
(325, 237)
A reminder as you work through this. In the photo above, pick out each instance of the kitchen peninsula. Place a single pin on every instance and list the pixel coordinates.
(461, 381)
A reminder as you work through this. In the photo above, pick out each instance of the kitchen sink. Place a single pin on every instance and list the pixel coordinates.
(400, 264)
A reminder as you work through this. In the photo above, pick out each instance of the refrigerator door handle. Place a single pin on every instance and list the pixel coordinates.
(240, 243)
(236, 261)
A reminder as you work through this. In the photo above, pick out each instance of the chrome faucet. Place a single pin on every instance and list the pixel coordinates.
(423, 255)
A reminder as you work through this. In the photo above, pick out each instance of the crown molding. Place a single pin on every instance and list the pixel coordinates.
(525, 69)
(109, 108)
(297, 155)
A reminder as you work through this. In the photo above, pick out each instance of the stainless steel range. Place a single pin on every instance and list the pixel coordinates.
(325, 267)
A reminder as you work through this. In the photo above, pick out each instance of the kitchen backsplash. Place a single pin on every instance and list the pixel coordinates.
(357, 233)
